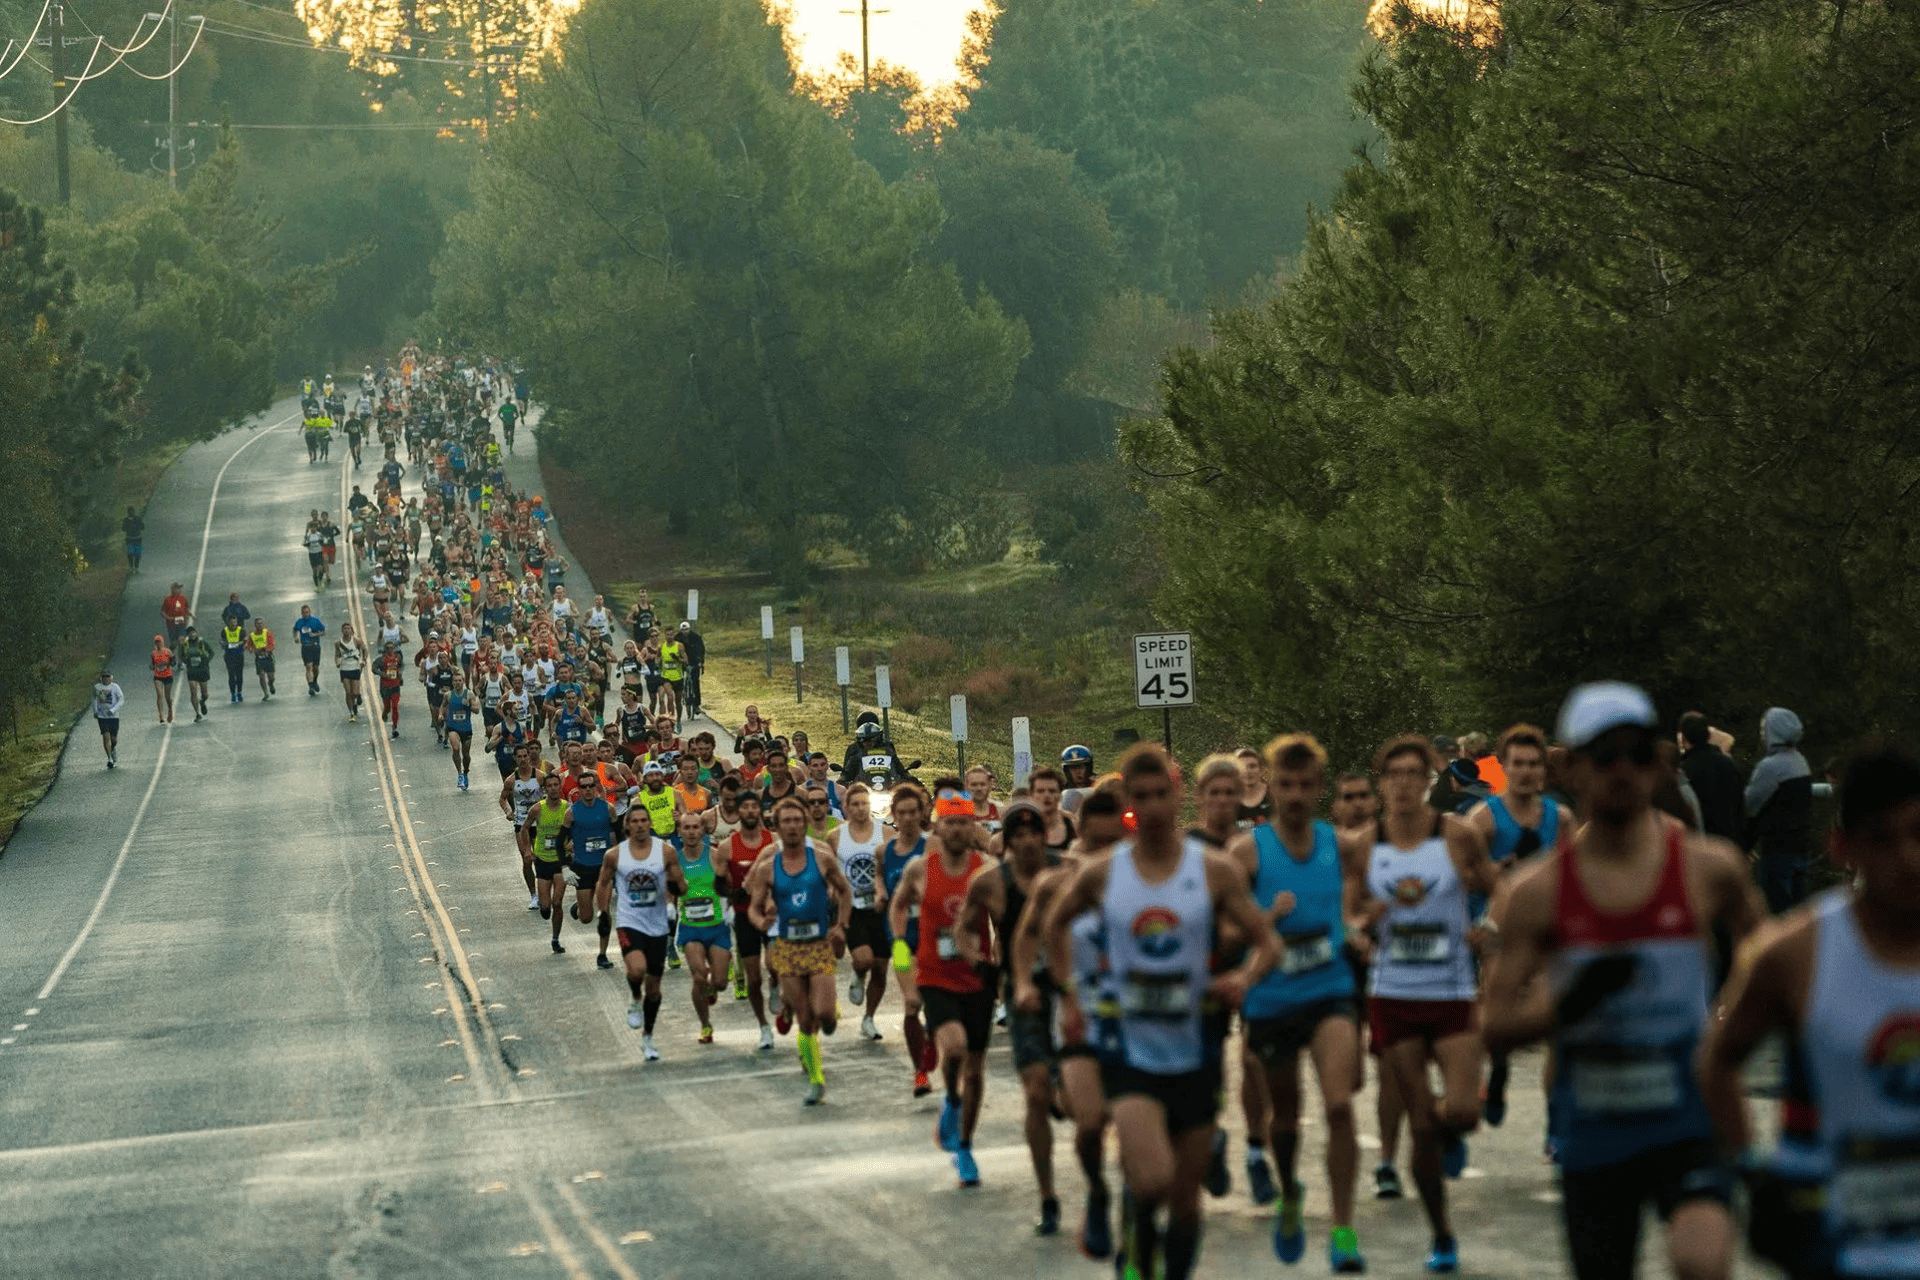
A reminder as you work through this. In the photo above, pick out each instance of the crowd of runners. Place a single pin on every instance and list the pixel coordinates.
(1145, 936)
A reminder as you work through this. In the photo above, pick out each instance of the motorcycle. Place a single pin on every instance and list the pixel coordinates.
(875, 768)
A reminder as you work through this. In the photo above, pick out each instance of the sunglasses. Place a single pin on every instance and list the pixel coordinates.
(1640, 751)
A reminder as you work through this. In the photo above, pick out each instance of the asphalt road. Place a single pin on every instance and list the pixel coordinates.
(271, 1003)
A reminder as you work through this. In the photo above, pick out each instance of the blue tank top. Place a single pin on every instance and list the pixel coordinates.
(893, 863)
(801, 900)
(459, 714)
(1311, 967)
(1508, 833)
(592, 832)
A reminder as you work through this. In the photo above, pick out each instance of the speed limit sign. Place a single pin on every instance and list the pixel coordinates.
(1163, 669)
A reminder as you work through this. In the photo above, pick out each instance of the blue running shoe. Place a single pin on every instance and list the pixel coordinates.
(1096, 1233)
(1219, 1180)
(1445, 1258)
(1260, 1181)
(1343, 1253)
(947, 1132)
(1289, 1229)
(1453, 1157)
(964, 1166)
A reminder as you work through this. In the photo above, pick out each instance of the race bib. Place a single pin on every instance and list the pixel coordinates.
(876, 764)
(1419, 944)
(1303, 953)
(643, 896)
(1637, 1084)
(1156, 995)
(863, 901)
(945, 945)
(594, 845)
(550, 843)
(1876, 1188)
(802, 930)
(698, 911)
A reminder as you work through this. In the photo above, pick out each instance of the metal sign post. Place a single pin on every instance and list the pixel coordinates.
(766, 634)
(883, 696)
(1163, 675)
(957, 708)
(843, 676)
(799, 648)
(693, 604)
(1022, 751)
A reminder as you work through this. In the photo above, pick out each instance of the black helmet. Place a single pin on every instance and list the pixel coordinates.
(869, 731)
(866, 718)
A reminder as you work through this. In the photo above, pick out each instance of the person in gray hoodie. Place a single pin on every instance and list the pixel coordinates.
(1779, 805)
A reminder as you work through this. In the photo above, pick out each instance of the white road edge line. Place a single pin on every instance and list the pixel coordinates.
(166, 740)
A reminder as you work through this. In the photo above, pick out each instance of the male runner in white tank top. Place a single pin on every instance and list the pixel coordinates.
(1841, 977)
(1159, 894)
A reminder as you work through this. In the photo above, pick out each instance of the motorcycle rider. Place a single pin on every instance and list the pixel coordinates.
(1077, 763)
(870, 741)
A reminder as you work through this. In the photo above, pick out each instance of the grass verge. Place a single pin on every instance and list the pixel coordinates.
(29, 761)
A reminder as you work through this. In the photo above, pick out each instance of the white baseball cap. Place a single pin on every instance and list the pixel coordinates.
(1593, 709)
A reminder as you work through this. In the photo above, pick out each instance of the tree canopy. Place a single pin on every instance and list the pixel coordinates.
(1603, 368)
(717, 290)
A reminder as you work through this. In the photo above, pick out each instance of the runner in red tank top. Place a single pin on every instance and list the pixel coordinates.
(743, 850)
(957, 995)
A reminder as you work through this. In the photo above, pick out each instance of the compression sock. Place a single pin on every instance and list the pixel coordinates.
(1256, 1152)
(1088, 1147)
(810, 1058)
(650, 1010)
(1183, 1250)
(605, 924)
(635, 986)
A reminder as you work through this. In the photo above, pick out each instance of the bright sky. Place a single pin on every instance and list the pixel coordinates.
(923, 35)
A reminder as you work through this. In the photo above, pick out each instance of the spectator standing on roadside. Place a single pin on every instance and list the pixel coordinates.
(136, 530)
(1715, 779)
(1779, 810)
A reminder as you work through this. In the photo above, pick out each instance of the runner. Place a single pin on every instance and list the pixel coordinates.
(702, 928)
(1158, 896)
(1421, 995)
(802, 898)
(587, 832)
(233, 640)
(458, 723)
(661, 804)
(260, 644)
(1838, 979)
(1356, 807)
(178, 612)
(909, 841)
(308, 629)
(858, 849)
(1308, 882)
(350, 658)
(108, 700)
(198, 655)
(1514, 825)
(161, 661)
(947, 978)
(1102, 826)
(391, 671)
(1606, 949)
(998, 893)
(538, 834)
(316, 543)
(744, 848)
(641, 872)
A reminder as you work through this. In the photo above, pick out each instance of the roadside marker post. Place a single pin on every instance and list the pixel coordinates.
(883, 696)
(957, 709)
(766, 634)
(843, 676)
(1022, 751)
(799, 647)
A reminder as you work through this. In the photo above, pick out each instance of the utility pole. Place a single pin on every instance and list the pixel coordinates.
(173, 99)
(866, 66)
(59, 95)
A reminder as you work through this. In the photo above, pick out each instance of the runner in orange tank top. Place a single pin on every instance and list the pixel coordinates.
(954, 983)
